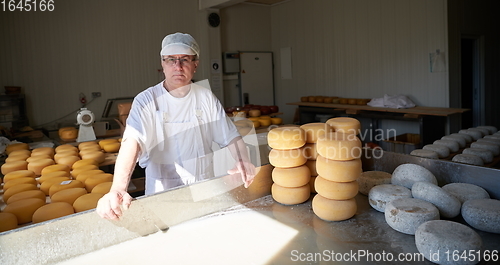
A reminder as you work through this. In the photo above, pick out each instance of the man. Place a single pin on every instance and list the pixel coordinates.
(170, 130)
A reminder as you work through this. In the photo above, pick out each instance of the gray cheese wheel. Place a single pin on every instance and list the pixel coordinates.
(369, 179)
(407, 174)
(447, 204)
(483, 131)
(492, 129)
(424, 153)
(494, 148)
(474, 134)
(488, 140)
(482, 214)
(405, 215)
(468, 159)
(459, 139)
(493, 137)
(467, 137)
(442, 151)
(437, 240)
(380, 195)
(484, 154)
(465, 191)
(452, 145)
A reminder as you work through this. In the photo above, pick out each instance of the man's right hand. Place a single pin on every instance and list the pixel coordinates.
(109, 206)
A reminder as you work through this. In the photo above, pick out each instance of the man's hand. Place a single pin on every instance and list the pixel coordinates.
(247, 171)
(108, 206)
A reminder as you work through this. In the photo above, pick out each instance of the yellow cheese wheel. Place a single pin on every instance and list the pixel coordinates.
(339, 146)
(264, 122)
(37, 165)
(37, 157)
(26, 195)
(311, 164)
(68, 133)
(52, 211)
(24, 209)
(112, 147)
(68, 160)
(290, 196)
(67, 184)
(75, 172)
(94, 180)
(17, 146)
(286, 138)
(336, 190)
(107, 141)
(19, 174)
(85, 144)
(287, 158)
(276, 120)
(84, 162)
(345, 125)
(291, 177)
(265, 117)
(86, 174)
(17, 157)
(16, 189)
(13, 166)
(103, 188)
(339, 171)
(315, 130)
(54, 174)
(68, 195)
(87, 148)
(45, 186)
(87, 202)
(310, 151)
(8, 221)
(43, 151)
(65, 153)
(333, 210)
(65, 147)
(98, 156)
(57, 167)
(311, 184)
(20, 151)
(14, 182)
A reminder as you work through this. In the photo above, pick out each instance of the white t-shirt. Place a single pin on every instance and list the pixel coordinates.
(175, 135)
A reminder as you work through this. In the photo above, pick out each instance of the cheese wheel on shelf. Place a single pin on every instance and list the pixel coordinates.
(98, 156)
(345, 125)
(13, 166)
(37, 157)
(290, 196)
(18, 157)
(75, 172)
(16, 189)
(311, 164)
(68, 133)
(17, 146)
(43, 151)
(68, 160)
(65, 147)
(67, 184)
(93, 181)
(310, 151)
(65, 153)
(339, 146)
(14, 182)
(107, 141)
(112, 147)
(19, 152)
(314, 130)
(26, 195)
(84, 162)
(333, 210)
(339, 171)
(336, 190)
(45, 186)
(291, 177)
(68, 195)
(88, 148)
(103, 188)
(287, 158)
(56, 167)
(37, 165)
(51, 175)
(8, 221)
(286, 138)
(86, 174)
(52, 211)
(24, 209)
(18, 174)
(82, 145)
(87, 202)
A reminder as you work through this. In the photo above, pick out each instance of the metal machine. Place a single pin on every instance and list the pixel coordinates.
(85, 118)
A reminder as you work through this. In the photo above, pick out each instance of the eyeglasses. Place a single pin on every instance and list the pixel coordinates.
(171, 61)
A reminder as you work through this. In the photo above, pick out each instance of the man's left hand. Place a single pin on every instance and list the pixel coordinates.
(246, 170)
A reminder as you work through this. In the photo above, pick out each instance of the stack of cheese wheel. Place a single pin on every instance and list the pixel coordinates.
(338, 165)
(91, 150)
(16, 158)
(40, 158)
(313, 131)
(110, 145)
(290, 174)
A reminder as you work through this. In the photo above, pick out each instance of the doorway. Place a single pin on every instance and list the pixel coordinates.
(472, 85)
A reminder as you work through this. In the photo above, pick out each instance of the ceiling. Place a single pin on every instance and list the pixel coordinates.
(265, 2)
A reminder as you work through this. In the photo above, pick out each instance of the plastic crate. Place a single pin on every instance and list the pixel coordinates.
(404, 143)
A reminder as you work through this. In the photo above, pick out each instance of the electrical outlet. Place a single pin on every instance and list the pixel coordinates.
(96, 94)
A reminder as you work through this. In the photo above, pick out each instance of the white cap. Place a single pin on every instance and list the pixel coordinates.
(179, 43)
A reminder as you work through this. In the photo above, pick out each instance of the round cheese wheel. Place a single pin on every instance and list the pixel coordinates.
(86, 174)
(24, 209)
(37, 157)
(286, 138)
(460, 140)
(345, 125)
(333, 210)
(310, 151)
(68, 160)
(369, 179)
(84, 162)
(335, 190)
(37, 165)
(93, 181)
(52, 211)
(43, 151)
(287, 158)
(494, 148)
(113, 147)
(314, 130)
(103, 188)
(16, 146)
(339, 146)
(8, 221)
(17, 157)
(493, 137)
(45, 186)
(19, 174)
(482, 214)
(491, 129)
(467, 137)
(474, 134)
(16, 189)
(20, 151)
(14, 182)
(65, 147)
(68, 184)
(68, 195)
(425, 153)
(291, 177)
(107, 141)
(65, 153)
(483, 131)
(75, 172)
(311, 164)
(87, 202)
(339, 171)
(465, 191)
(82, 145)
(290, 196)
(380, 195)
(276, 120)
(441, 150)
(489, 141)
(26, 195)
(51, 175)
(407, 174)
(87, 148)
(6, 168)
(405, 215)
(68, 133)
(485, 155)
(96, 155)
(53, 168)
(468, 159)
(265, 122)
(452, 145)
(311, 184)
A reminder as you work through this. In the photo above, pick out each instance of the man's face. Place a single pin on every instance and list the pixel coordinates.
(179, 69)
